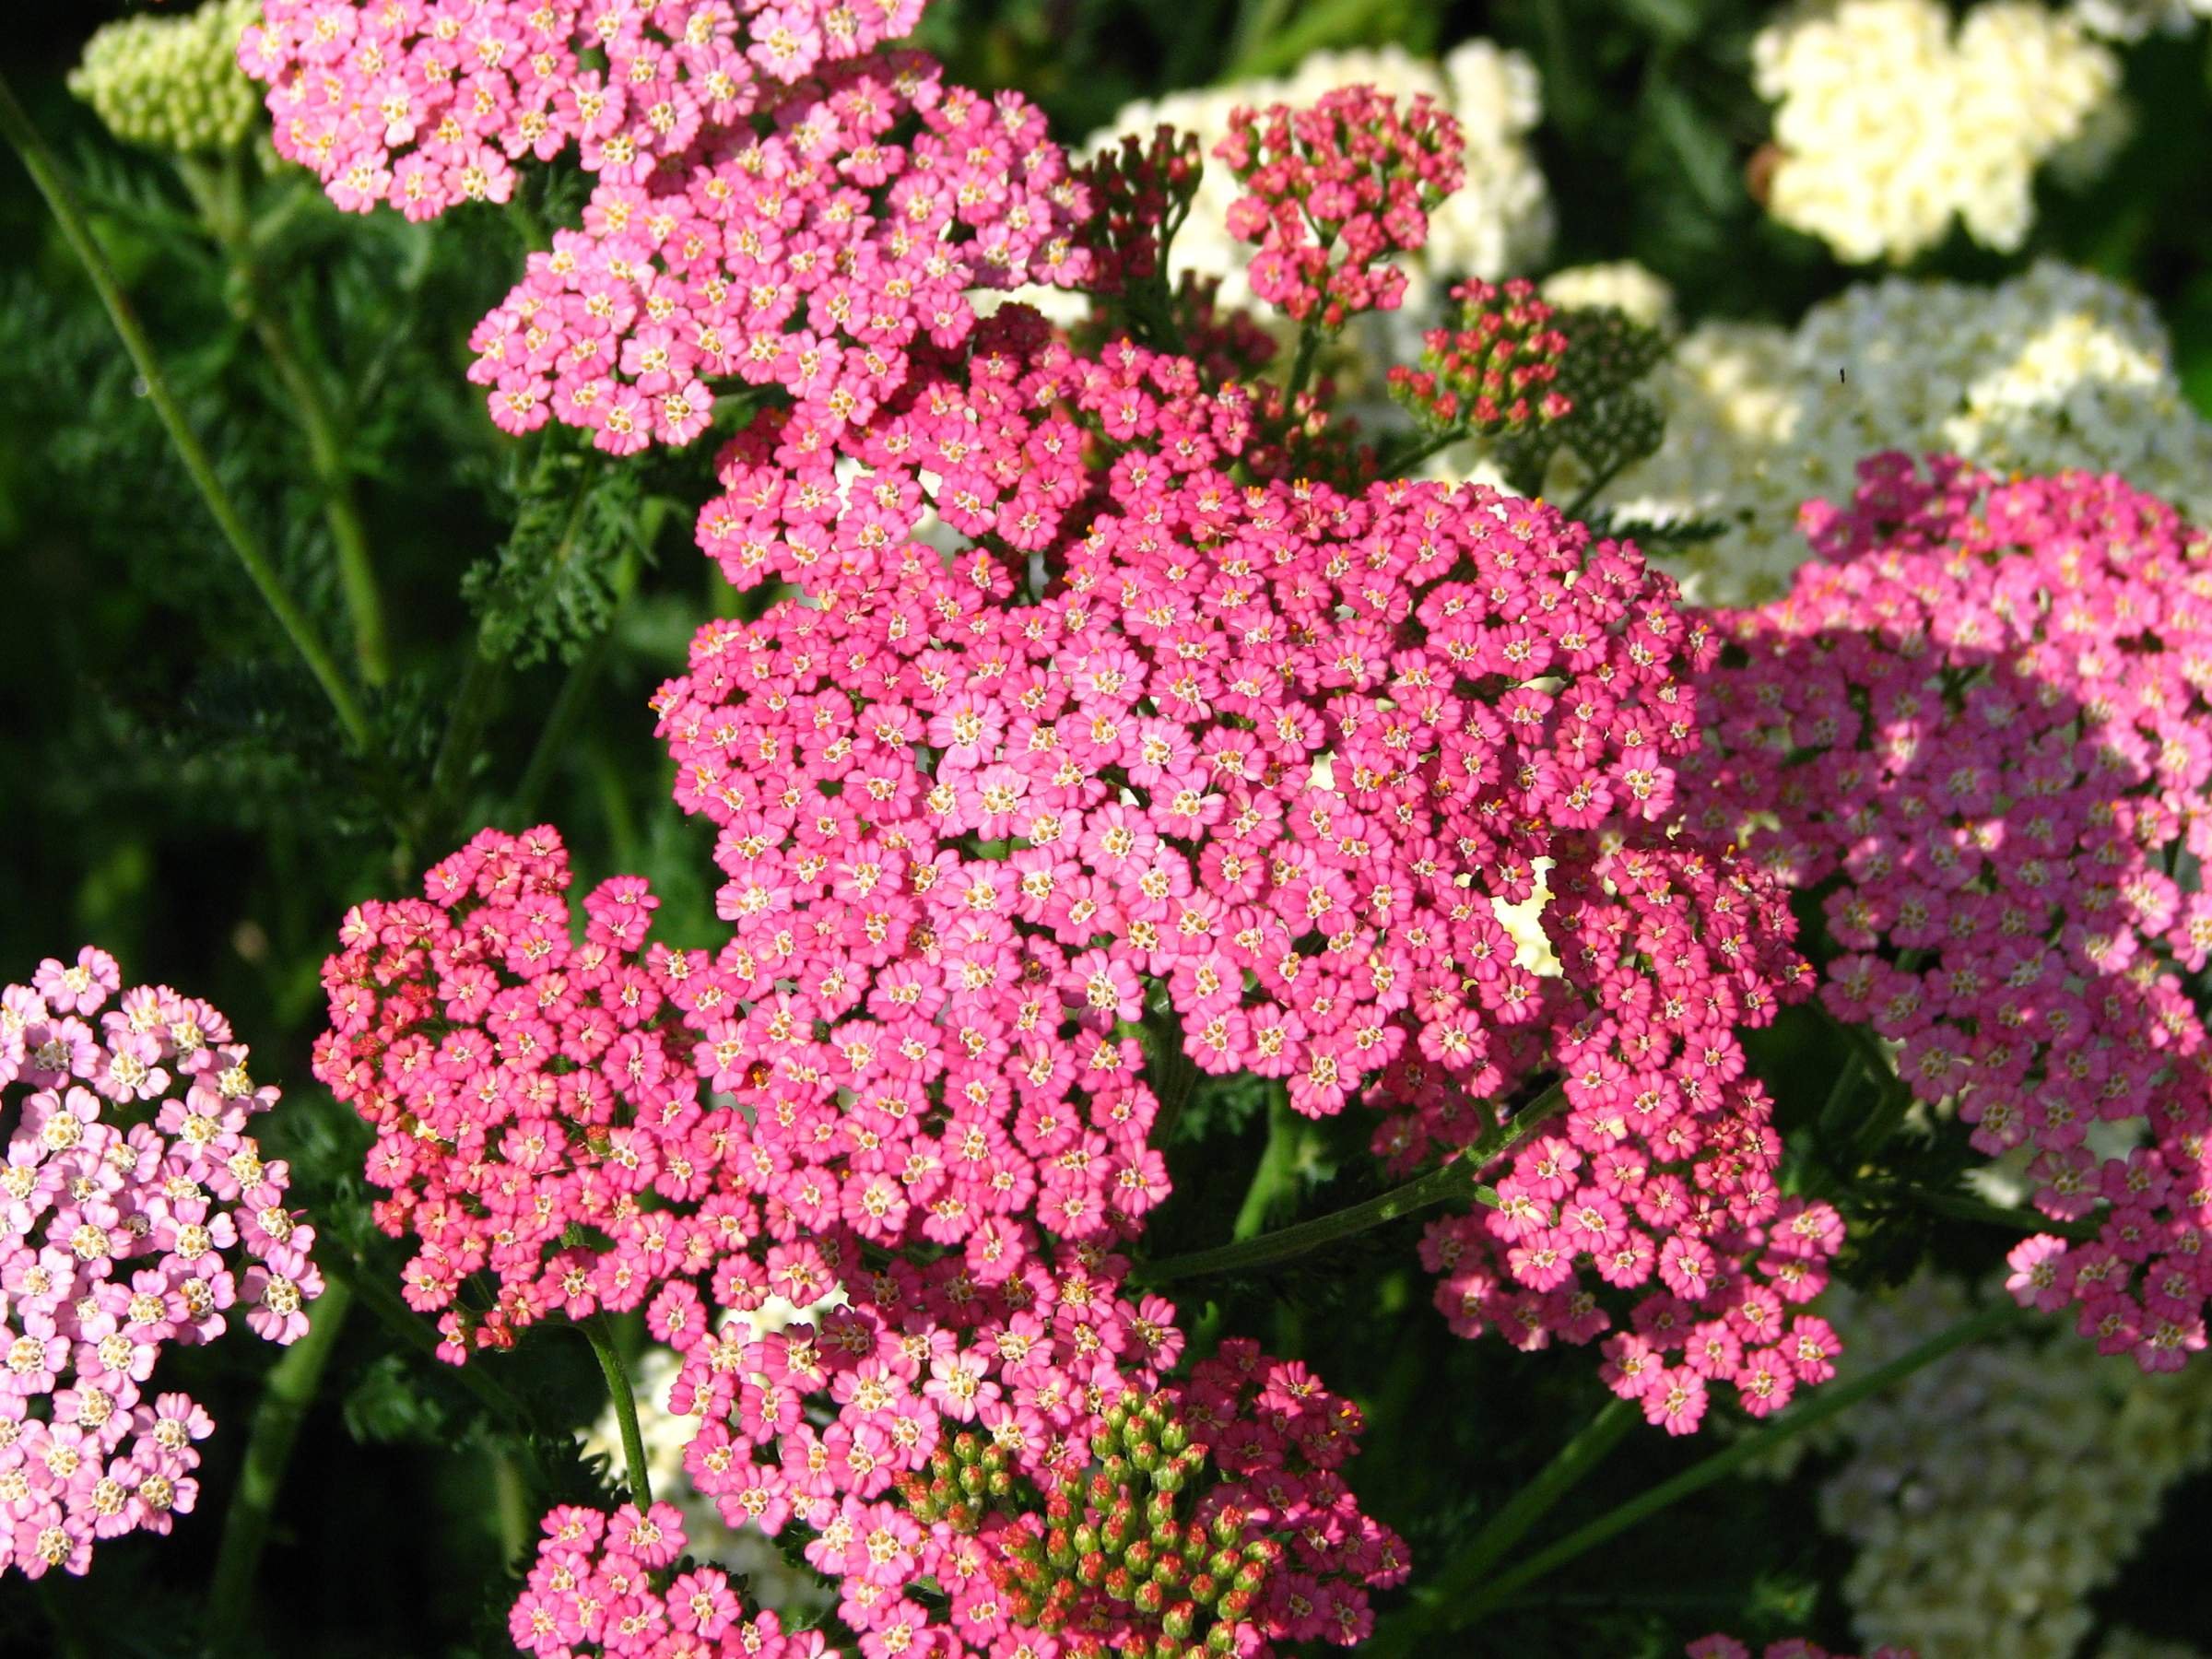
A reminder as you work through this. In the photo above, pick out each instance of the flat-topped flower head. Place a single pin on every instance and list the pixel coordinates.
(135, 1212)
(426, 104)
(1263, 759)
(1979, 720)
(532, 1091)
(813, 259)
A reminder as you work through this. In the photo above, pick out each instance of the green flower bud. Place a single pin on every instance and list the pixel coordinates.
(172, 83)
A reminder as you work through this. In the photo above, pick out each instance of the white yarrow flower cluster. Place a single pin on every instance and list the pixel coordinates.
(1889, 122)
(1994, 1492)
(2132, 19)
(2057, 369)
(1497, 223)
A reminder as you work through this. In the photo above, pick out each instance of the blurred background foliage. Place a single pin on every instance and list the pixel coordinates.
(175, 788)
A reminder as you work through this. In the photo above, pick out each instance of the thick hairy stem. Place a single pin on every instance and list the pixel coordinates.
(17, 125)
(286, 1399)
(602, 1339)
(1457, 1179)
(1403, 1633)
(1828, 1402)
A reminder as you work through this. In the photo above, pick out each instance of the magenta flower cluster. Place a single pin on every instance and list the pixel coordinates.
(1332, 189)
(1981, 720)
(135, 1212)
(428, 103)
(813, 260)
(1662, 1185)
(1263, 761)
(541, 1125)
(605, 1584)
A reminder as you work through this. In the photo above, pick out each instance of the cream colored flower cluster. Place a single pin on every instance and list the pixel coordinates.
(1993, 1491)
(172, 83)
(2132, 19)
(2052, 369)
(1498, 222)
(1890, 122)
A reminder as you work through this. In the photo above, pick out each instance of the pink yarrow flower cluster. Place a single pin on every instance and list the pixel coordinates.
(842, 1429)
(611, 1584)
(812, 260)
(1658, 1201)
(1332, 190)
(424, 104)
(1983, 720)
(135, 1212)
(1258, 760)
(532, 1094)
(544, 1132)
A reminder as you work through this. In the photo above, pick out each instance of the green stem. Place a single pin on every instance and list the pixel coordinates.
(602, 1339)
(44, 172)
(1835, 1112)
(1455, 1179)
(1964, 1207)
(1829, 1401)
(1402, 1634)
(1277, 1160)
(224, 212)
(286, 1398)
(1587, 496)
(1397, 467)
(568, 701)
(471, 712)
(1301, 366)
(1175, 1078)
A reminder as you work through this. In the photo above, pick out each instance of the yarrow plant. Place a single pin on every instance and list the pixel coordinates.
(1978, 726)
(1111, 750)
(136, 1213)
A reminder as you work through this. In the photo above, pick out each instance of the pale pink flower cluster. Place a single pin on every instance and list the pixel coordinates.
(812, 259)
(135, 1212)
(428, 103)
